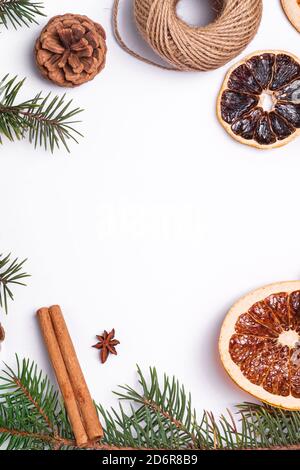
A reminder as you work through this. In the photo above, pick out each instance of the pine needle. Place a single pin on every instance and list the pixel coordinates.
(47, 121)
(19, 13)
(11, 273)
(159, 416)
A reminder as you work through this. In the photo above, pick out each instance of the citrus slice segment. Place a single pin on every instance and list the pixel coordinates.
(259, 101)
(292, 11)
(260, 344)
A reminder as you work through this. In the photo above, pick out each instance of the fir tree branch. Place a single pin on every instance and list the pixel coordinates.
(48, 121)
(31, 413)
(11, 273)
(56, 443)
(169, 405)
(22, 382)
(20, 12)
(160, 416)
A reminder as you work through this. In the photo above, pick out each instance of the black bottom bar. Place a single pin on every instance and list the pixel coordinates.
(138, 459)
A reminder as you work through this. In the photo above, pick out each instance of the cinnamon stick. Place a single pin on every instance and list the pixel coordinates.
(62, 377)
(84, 400)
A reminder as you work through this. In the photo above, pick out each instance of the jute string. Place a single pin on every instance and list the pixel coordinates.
(188, 48)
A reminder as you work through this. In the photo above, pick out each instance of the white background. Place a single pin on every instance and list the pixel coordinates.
(156, 223)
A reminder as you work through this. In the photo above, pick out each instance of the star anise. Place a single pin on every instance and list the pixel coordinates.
(107, 345)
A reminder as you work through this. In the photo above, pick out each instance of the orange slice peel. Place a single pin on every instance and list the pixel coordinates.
(259, 344)
(259, 101)
(292, 11)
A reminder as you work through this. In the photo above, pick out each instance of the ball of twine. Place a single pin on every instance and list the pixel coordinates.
(189, 48)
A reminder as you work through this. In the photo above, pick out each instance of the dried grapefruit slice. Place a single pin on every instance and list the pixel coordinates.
(260, 344)
(292, 11)
(259, 102)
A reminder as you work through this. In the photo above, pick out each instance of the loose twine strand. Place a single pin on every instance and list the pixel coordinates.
(189, 48)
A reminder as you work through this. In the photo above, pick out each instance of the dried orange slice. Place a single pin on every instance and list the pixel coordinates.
(259, 102)
(260, 344)
(292, 11)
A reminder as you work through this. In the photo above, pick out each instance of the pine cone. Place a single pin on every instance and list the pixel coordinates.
(2, 333)
(71, 50)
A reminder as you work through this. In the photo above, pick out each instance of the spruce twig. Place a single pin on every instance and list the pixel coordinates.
(11, 273)
(160, 416)
(46, 121)
(19, 12)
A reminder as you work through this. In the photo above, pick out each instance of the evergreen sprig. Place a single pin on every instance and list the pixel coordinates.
(11, 273)
(19, 12)
(159, 416)
(47, 121)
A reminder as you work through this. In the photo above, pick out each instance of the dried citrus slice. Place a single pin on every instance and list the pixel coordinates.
(292, 11)
(260, 344)
(259, 102)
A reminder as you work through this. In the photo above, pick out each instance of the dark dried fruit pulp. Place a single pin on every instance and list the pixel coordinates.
(263, 133)
(277, 75)
(235, 105)
(256, 348)
(246, 126)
